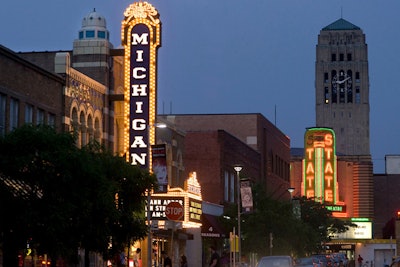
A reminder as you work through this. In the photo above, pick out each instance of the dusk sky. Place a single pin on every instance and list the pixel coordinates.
(237, 56)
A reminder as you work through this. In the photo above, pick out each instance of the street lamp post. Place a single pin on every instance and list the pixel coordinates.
(238, 169)
(149, 243)
(149, 248)
(291, 190)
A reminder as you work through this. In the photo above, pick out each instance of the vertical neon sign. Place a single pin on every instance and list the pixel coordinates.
(141, 31)
(319, 167)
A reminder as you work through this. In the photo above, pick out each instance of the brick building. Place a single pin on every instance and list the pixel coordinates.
(212, 154)
(88, 97)
(240, 139)
(28, 94)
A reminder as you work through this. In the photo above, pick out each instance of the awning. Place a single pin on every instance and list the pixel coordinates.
(211, 227)
(178, 234)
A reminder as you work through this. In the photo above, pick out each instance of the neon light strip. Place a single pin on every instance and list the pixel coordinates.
(319, 174)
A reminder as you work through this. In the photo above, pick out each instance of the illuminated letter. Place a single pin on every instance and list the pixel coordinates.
(136, 74)
(328, 139)
(138, 124)
(328, 168)
(328, 152)
(328, 195)
(310, 180)
(139, 56)
(138, 142)
(329, 179)
(138, 159)
(310, 193)
(139, 106)
(143, 39)
(310, 168)
(309, 152)
(139, 91)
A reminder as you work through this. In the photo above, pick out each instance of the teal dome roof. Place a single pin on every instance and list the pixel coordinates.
(341, 24)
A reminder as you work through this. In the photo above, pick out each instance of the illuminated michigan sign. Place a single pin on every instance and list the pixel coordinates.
(141, 39)
(320, 174)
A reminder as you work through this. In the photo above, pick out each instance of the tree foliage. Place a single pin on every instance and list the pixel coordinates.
(291, 235)
(59, 197)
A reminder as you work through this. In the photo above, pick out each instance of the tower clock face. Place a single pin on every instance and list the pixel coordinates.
(342, 78)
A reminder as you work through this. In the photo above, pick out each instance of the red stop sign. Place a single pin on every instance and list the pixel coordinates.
(174, 211)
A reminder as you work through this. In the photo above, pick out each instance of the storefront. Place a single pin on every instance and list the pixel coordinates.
(175, 218)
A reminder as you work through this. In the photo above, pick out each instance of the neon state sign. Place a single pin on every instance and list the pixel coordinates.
(319, 177)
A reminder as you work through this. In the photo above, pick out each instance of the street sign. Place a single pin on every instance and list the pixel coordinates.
(174, 211)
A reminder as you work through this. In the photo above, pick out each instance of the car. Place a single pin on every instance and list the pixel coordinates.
(307, 262)
(340, 258)
(276, 261)
(324, 259)
(395, 262)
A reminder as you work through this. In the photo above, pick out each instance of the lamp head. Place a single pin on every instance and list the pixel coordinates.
(160, 125)
(238, 168)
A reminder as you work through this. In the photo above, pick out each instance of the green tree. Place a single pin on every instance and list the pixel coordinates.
(59, 197)
(290, 235)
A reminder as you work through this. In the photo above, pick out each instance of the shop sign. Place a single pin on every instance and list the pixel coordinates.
(158, 206)
(363, 230)
(195, 210)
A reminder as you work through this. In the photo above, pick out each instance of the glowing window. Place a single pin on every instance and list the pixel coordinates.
(326, 95)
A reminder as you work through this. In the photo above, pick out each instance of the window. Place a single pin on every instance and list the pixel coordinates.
(334, 94)
(40, 117)
(28, 113)
(357, 77)
(341, 57)
(326, 95)
(14, 114)
(350, 95)
(358, 97)
(334, 86)
(81, 35)
(232, 188)
(51, 120)
(349, 58)
(341, 93)
(2, 115)
(326, 77)
(226, 186)
(89, 34)
(349, 87)
(101, 34)
(333, 57)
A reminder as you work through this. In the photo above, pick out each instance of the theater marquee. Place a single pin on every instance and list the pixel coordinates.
(141, 39)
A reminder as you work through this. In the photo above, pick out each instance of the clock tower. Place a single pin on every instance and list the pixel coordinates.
(342, 86)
